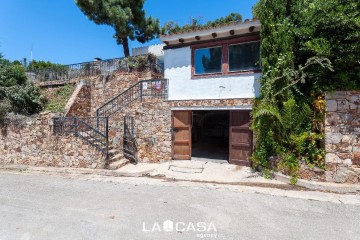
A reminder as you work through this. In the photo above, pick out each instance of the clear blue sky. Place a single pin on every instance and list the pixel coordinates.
(58, 31)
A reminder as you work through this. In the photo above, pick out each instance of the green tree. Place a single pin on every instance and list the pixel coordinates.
(304, 41)
(127, 17)
(329, 29)
(10, 73)
(37, 65)
(16, 94)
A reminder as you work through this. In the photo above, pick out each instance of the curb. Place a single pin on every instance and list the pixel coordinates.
(81, 171)
(318, 186)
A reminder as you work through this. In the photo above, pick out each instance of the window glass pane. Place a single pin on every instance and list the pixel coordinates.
(244, 57)
(208, 60)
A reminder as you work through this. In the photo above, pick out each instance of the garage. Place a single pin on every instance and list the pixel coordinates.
(212, 135)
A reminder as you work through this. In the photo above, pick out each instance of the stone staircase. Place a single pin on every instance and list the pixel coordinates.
(95, 130)
(116, 159)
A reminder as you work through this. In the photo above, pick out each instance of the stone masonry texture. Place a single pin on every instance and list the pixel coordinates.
(79, 103)
(153, 124)
(342, 128)
(30, 141)
(33, 143)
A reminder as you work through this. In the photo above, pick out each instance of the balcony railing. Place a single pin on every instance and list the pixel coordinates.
(94, 68)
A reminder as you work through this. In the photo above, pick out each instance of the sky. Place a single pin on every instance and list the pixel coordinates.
(57, 31)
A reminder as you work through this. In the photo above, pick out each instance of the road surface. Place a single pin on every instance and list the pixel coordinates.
(58, 207)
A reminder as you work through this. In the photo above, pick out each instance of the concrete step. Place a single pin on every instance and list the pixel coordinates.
(118, 164)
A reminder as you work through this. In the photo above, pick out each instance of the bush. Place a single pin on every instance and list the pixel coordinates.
(25, 99)
(4, 109)
(15, 93)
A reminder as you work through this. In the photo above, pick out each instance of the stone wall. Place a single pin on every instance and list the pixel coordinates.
(342, 128)
(33, 143)
(153, 124)
(30, 141)
(104, 88)
(79, 103)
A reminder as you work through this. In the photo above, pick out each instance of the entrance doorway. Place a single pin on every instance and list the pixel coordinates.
(210, 135)
(221, 135)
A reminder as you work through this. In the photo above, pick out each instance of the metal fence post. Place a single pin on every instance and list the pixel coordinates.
(107, 136)
(75, 126)
(141, 91)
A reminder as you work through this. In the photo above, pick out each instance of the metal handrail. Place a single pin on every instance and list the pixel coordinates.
(140, 90)
(80, 127)
(97, 128)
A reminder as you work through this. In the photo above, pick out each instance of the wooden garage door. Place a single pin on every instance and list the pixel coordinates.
(240, 138)
(181, 124)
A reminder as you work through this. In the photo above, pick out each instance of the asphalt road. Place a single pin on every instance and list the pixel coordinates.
(55, 207)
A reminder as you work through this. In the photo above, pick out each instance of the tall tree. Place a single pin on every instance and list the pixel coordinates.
(302, 41)
(127, 17)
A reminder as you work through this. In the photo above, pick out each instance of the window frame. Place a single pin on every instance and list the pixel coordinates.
(222, 60)
(246, 70)
(225, 56)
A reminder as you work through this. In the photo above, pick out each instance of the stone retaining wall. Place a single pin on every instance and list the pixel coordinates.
(30, 141)
(342, 128)
(104, 88)
(79, 103)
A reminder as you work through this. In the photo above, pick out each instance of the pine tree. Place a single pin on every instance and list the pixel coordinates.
(127, 17)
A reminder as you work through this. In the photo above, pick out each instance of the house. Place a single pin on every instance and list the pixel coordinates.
(212, 82)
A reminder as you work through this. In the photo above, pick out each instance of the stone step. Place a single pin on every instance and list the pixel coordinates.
(114, 151)
(118, 164)
(117, 157)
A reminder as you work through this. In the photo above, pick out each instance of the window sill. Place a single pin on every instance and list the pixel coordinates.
(216, 75)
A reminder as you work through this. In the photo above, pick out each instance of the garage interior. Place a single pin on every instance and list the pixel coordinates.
(210, 135)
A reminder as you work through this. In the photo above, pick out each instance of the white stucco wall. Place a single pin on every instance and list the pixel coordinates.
(182, 87)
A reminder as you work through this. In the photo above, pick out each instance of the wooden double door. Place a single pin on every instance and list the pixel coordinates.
(240, 136)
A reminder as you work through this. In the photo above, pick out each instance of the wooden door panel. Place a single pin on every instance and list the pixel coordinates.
(181, 134)
(240, 135)
(181, 124)
(182, 119)
(240, 118)
(240, 154)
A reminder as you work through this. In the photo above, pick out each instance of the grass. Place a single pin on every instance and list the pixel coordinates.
(58, 101)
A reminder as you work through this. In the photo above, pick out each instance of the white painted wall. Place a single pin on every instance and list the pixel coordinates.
(157, 50)
(182, 87)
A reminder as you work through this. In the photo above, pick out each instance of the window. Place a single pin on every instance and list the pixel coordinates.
(244, 57)
(208, 60)
(226, 57)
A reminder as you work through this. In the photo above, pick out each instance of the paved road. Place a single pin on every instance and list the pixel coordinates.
(56, 207)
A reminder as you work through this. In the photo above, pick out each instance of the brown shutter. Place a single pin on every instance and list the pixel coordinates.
(181, 124)
(240, 138)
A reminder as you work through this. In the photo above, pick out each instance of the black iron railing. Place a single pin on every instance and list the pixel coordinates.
(130, 147)
(94, 68)
(156, 88)
(94, 130)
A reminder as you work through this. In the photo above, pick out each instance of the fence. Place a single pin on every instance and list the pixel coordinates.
(94, 68)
